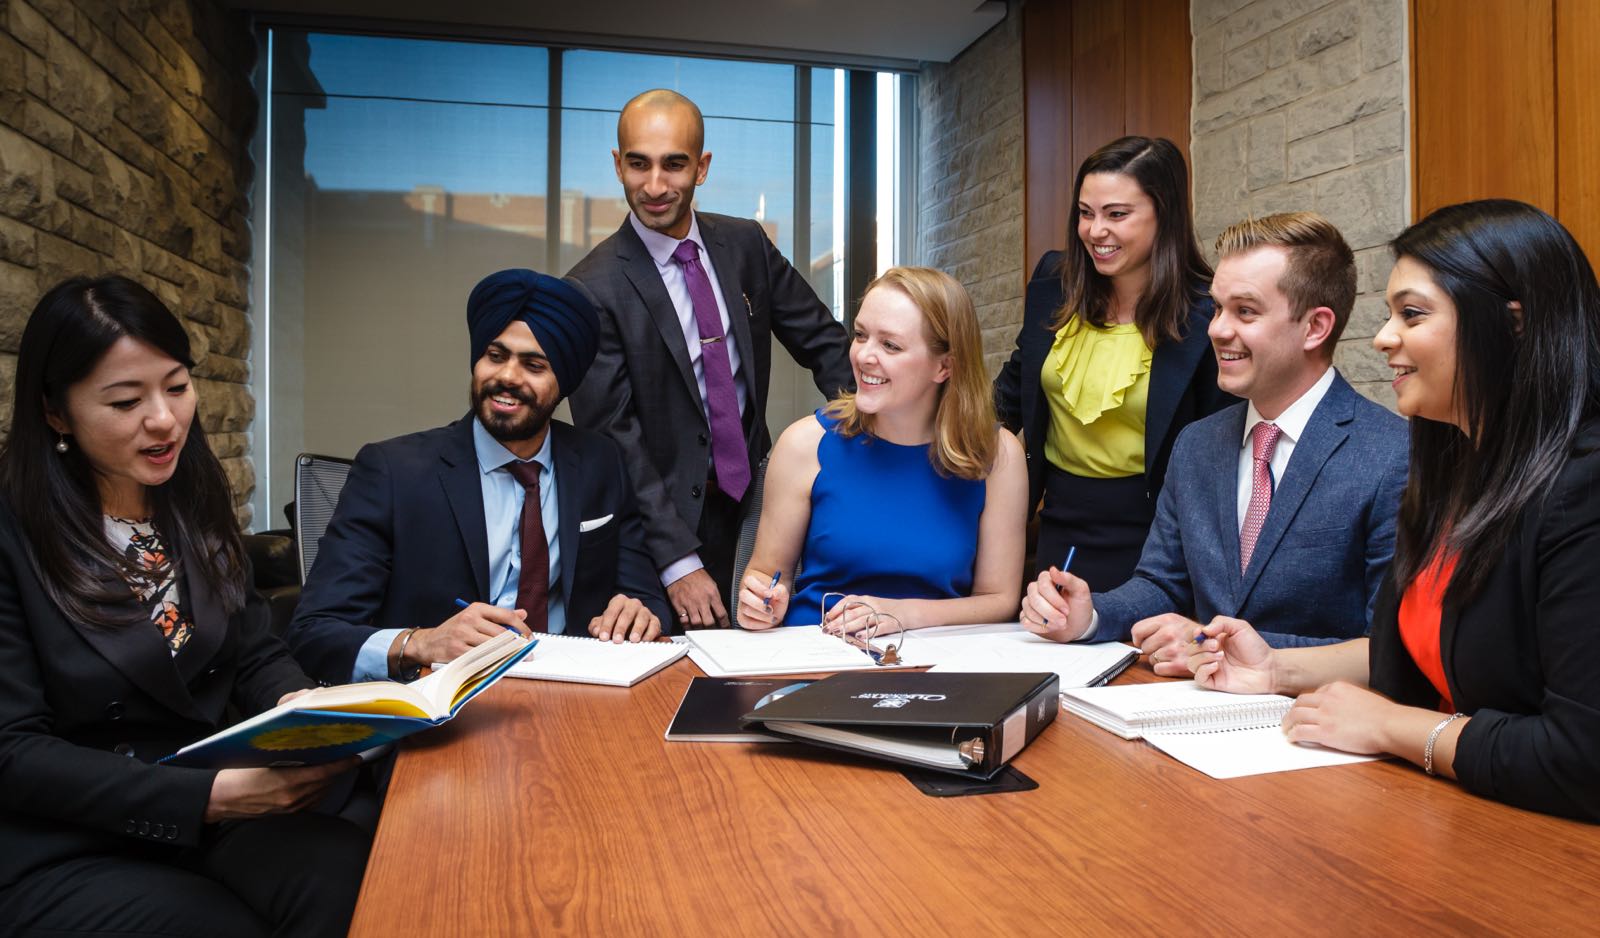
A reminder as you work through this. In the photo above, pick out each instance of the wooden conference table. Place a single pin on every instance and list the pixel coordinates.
(550, 808)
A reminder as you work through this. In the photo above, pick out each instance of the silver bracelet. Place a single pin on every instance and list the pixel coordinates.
(400, 669)
(1433, 737)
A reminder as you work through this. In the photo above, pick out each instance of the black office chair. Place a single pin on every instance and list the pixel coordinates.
(317, 483)
(277, 578)
(747, 541)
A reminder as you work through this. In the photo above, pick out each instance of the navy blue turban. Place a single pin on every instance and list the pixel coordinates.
(560, 317)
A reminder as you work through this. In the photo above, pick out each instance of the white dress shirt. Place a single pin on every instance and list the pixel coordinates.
(1292, 426)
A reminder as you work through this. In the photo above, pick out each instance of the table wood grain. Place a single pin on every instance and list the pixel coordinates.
(556, 808)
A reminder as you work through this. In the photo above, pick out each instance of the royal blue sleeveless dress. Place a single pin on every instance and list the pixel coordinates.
(885, 523)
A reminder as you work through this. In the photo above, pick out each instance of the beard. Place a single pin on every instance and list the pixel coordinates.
(508, 429)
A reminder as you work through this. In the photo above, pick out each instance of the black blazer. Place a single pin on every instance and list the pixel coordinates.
(641, 389)
(407, 538)
(1183, 381)
(1522, 657)
(85, 711)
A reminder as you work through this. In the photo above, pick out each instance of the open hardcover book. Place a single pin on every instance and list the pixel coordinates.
(1223, 735)
(331, 723)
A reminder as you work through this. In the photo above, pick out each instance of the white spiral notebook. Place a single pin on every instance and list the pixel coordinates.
(586, 660)
(1222, 735)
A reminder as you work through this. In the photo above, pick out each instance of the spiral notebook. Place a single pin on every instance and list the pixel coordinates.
(1222, 735)
(590, 661)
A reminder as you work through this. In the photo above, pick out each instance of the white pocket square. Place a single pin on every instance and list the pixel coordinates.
(590, 525)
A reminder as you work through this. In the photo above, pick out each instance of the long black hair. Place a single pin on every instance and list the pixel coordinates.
(1524, 383)
(1179, 274)
(54, 496)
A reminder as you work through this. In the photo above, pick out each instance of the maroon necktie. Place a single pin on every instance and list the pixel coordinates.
(533, 582)
(729, 456)
(1263, 437)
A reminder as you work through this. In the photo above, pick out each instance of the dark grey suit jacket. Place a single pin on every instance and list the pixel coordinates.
(641, 389)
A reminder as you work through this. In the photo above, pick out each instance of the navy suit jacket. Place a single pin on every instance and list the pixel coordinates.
(1183, 380)
(1323, 549)
(408, 538)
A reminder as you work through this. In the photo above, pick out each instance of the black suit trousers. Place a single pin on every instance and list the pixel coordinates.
(720, 519)
(286, 874)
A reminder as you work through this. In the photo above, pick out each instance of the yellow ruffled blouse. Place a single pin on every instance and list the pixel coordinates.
(1097, 381)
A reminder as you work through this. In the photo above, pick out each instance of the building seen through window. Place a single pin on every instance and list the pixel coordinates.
(400, 171)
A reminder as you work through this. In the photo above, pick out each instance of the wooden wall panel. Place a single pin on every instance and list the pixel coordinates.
(1093, 71)
(1047, 123)
(1156, 68)
(1577, 37)
(1098, 85)
(1485, 102)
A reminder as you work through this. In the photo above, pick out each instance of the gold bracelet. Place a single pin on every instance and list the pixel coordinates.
(1433, 737)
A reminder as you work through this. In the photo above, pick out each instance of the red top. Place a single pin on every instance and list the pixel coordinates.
(1421, 609)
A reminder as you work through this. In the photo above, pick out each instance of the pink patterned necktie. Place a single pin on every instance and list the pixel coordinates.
(1263, 437)
(729, 455)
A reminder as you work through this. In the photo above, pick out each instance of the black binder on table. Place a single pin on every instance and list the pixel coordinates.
(966, 724)
(713, 708)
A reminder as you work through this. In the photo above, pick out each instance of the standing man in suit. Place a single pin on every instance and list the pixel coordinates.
(1280, 510)
(532, 519)
(689, 303)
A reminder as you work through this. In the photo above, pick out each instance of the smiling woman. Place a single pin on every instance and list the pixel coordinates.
(1112, 360)
(903, 496)
(1482, 657)
(126, 631)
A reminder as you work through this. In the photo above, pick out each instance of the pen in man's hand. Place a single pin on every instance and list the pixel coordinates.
(462, 604)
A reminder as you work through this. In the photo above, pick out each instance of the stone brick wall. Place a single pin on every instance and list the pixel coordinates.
(1301, 104)
(970, 198)
(123, 148)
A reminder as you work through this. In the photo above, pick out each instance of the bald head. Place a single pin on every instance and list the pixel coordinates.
(657, 103)
(661, 159)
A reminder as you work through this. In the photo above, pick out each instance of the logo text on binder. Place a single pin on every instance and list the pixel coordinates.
(896, 701)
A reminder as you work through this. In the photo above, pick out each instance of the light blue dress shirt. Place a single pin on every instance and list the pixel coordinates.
(502, 510)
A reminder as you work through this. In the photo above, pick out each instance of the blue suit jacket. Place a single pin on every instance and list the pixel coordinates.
(408, 537)
(1323, 549)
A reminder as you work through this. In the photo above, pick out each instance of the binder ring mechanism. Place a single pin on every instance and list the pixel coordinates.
(885, 654)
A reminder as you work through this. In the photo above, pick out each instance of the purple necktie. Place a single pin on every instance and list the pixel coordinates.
(729, 456)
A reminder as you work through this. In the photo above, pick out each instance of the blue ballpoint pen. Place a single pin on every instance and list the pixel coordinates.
(1065, 566)
(774, 585)
(462, 604)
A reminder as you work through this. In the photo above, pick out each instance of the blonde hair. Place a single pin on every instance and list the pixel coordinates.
(964, 425)
(1321, 268)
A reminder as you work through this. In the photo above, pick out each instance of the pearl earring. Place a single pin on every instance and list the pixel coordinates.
(61, 443)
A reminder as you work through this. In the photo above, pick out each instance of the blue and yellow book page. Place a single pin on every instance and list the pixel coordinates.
(298, 737)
